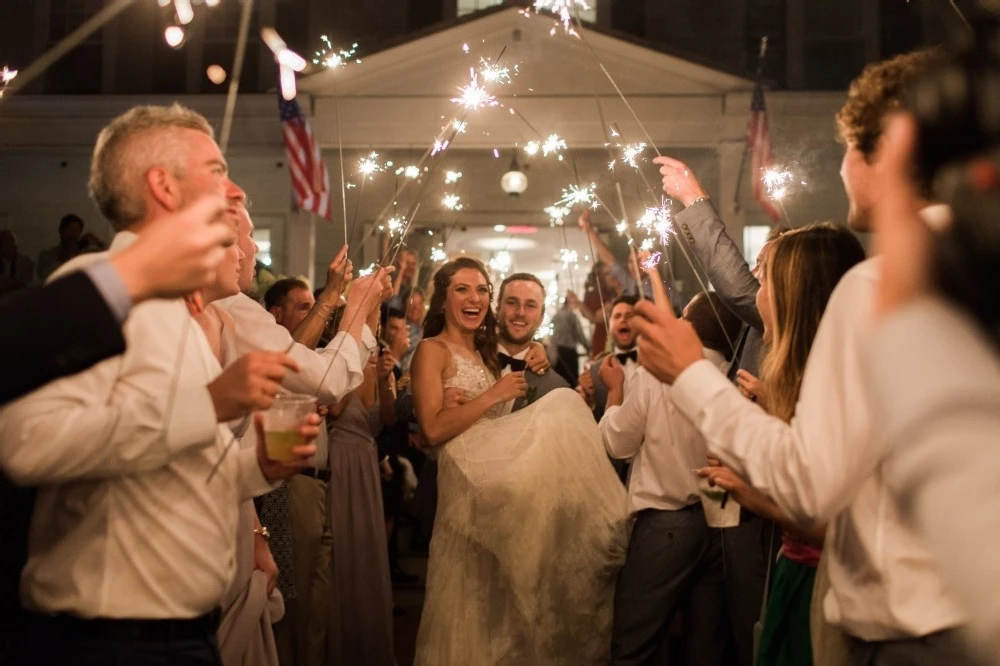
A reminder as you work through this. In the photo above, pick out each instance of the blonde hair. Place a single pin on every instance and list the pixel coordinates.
(803, 268)
(140, 139)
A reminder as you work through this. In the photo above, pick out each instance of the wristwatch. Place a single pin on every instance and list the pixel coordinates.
(262, 532)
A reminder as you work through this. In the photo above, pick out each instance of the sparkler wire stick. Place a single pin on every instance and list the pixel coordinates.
(234, 77)
(682, 244)
(961, 15)
(340, 152)
(67, 44)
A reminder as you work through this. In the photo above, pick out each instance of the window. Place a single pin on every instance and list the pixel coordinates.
(754, 237)
(263, 239)
(470, 6)
(79, 72)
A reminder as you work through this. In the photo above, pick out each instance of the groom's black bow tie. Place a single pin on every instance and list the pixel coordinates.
(625, 356)
(515, 364)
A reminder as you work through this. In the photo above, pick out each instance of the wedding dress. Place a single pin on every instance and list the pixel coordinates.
(531, 530)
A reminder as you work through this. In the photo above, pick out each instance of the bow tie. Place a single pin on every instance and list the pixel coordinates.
(516, 365)
(626, 356)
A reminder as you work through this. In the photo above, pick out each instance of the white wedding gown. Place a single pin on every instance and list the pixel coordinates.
(531, 530)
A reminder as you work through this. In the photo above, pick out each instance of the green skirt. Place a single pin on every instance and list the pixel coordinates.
(785, 639)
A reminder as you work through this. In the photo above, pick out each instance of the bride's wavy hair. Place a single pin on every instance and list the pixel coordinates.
(486, 337)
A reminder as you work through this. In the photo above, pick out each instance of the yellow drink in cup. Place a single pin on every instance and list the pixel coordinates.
(282, 424)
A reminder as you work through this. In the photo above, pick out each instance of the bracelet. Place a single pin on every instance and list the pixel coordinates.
(699, 200)
(262, 532)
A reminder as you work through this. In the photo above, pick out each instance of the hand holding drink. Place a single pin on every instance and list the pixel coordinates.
(283, 423)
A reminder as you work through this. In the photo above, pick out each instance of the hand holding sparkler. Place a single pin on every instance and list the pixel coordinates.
(249, 384)
(340, 272)
(679, 182)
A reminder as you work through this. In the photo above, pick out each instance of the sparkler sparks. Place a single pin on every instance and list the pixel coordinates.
(452, 202)
(494, 73)
(6, 76)
(438, 254)
(575, 194)
(647, 244)
(369, 164)
(410, 171)
(367, 271)
(569, 258)
(501, 262)
(474, 96)
(652, 262)
(630, 152)
(331, 57)
(557, 214)
(394, 225)
(439, 146)
(552, 144)
(459, 126)
(657, 221)
(777, 181)
(452, 177)
(621, 227)
(564, 9)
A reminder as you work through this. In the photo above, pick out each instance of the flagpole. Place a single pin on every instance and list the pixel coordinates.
(746, 148)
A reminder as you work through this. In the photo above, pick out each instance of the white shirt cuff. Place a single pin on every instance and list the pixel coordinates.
(696, 387)
(368, 344)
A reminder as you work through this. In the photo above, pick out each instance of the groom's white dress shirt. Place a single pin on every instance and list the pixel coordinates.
(127, 524)
(663, 444)
(329, 373)
(827, 465)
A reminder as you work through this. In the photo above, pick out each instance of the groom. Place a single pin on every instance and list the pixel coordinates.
(520, 309)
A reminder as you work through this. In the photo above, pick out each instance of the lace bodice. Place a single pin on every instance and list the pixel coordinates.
(472, 377)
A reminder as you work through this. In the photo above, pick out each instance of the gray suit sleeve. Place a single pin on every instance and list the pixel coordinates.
(722, 260)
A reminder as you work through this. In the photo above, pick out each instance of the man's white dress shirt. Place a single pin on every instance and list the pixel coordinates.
(663, 444)
(936, 384)
(127, 524)
(827, 465)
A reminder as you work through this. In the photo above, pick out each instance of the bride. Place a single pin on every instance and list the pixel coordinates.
(531, 525)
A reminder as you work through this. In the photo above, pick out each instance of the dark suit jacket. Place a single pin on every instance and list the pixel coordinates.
(539, 385)
(53, 331)
(722, 260)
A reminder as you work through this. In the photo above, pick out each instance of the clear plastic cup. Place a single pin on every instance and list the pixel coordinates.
(717, 515)
(283, 422)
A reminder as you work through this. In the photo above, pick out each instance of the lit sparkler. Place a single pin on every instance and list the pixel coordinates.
(630, 152)
(557, 214)
(621, 227)
(369, 164)
(565, 10)
(410, 171)
(652, 262)
(459, 126)
(474, 95)
(575, 194)
(569, 258)
(647, 244)
(452, 202)
(439, 146)
(438, 254)
(495, 73)
(288, 61)
(394, 225)
(657, 221)
(777, 181)
(452, 177)
(501, 262)
(331, 57)
(6, 76)
(552, 144)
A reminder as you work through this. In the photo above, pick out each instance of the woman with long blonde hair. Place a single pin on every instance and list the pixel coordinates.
(797, 276)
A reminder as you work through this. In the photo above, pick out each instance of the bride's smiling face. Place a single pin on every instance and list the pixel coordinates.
(467, 301)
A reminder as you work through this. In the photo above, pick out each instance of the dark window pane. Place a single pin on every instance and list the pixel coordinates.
(832, 19)
(831, 64)
(76, 73)
(169, 69)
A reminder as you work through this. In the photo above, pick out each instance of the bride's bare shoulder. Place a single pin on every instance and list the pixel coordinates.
(432, 350)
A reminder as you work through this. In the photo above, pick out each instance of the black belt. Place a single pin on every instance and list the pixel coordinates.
(313, 472)
(113, 629)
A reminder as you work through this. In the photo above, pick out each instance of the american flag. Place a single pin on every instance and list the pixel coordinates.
(761, 156)
(310, 179)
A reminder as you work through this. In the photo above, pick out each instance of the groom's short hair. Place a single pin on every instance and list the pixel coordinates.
(522, 277)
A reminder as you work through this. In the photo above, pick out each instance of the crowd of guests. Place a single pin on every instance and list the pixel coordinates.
(156, 529)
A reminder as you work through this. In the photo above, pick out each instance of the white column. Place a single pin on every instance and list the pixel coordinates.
(300, 246)
(733, 213)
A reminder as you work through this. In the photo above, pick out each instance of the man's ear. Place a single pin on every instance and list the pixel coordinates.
(275, 312)
(164, 188)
